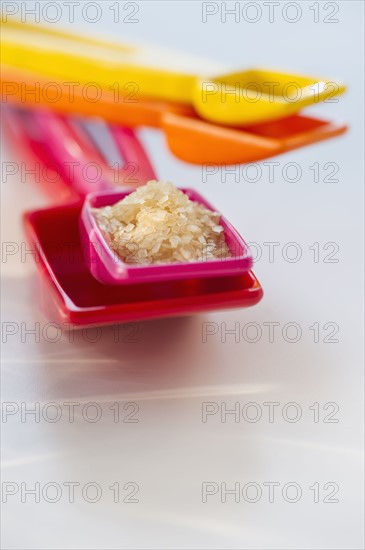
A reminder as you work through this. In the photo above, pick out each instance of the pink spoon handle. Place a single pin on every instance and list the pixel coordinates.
(138, 169)
(26, 136)
(82, 138)
(84, 169)
(59, 141)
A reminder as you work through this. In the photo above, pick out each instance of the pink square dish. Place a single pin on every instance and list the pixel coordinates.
(108, 268)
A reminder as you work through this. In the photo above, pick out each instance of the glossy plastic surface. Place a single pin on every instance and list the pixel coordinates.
(197, 141)
(123, 111)
(188, 136)
(108, 267)
(74, 165)
(233, 99)
(71, 294)
(29, 142)
(259, 95)
(71, 146)
(65, 57)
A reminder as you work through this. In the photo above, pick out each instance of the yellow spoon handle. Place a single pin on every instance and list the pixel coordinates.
(59, 55)
(132, 71)
(54, 32)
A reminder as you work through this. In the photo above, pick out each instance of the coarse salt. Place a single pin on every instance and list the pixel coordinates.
(159, 224)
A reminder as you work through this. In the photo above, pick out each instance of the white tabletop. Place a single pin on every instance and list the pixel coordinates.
(175, 452)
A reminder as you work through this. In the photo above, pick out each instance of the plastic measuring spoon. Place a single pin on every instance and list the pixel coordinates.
(71, 295)
(68, 148)
(188, 136)
(235, 98)
(109, 268)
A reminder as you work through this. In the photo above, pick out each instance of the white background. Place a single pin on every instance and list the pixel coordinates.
(170, 372)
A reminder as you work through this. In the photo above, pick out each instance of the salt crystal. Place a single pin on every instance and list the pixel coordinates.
(174, 241)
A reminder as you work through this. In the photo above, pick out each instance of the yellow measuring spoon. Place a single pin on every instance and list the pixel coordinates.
(237, 98)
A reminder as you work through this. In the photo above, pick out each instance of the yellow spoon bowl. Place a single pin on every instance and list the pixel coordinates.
(259, 95)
